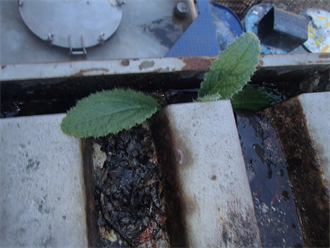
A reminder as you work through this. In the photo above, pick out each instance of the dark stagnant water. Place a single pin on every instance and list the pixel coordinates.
(270, 185)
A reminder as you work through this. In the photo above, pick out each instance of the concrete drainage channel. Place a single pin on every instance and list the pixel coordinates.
(213, 194)
(204, 204)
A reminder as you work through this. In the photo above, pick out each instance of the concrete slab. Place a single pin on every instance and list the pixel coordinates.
(209, 201)
(42, 199)
(303, 127)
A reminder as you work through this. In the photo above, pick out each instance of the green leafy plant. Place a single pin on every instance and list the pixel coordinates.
(108, 112)
(111, 111)
(232, 70)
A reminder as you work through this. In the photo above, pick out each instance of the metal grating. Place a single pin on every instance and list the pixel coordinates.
(240, 7)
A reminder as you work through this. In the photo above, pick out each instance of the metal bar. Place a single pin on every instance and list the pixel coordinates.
(28, 71)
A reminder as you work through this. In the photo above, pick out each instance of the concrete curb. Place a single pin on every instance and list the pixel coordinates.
(208, 193)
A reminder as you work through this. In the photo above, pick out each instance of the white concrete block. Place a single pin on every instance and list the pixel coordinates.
(42, 200)
(207, 164)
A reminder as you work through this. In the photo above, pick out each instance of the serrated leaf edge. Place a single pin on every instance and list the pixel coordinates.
(92, 134)
(232, 68)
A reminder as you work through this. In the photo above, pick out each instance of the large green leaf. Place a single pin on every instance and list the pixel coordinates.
(233, 68)
(255, 98)
(108, 112)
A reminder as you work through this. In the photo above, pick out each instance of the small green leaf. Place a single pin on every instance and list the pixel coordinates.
(208, 98)
(255, 98)
(108, 112)
(233, 68)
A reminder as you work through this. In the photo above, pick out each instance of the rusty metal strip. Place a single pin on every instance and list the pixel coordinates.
(28, 71)
(298, 59)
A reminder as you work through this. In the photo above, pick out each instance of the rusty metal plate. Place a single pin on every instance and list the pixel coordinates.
(152, 25)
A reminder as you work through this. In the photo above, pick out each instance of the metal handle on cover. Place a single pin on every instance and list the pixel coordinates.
(77, 51)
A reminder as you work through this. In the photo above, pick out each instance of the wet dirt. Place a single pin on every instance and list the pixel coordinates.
(129, 191)
(298, 6)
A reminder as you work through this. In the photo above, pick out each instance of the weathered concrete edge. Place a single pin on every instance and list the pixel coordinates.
(230, 213)
(298, 133)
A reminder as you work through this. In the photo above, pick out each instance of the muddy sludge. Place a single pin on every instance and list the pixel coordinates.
(129, 197)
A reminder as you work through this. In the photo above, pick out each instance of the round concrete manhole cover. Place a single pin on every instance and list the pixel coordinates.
(72, 24)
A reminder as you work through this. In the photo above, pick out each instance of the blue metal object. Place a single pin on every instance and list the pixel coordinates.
(213, 30)
(227, 24)
(200, 38)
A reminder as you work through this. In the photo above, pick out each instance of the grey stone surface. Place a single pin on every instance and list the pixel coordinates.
(42, 194)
